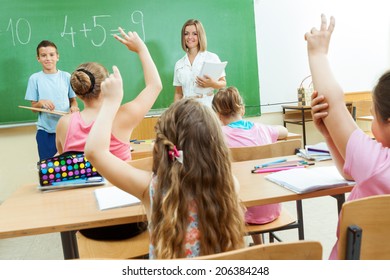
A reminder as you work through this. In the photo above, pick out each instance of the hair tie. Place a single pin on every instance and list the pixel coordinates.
(176, 154)
(91, 77)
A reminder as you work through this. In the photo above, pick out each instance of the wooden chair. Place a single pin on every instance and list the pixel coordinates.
(283, 222)
(281, 148)
(371, 215)
(300, 250)
(361, 108)
(131, 248)
(134, 247)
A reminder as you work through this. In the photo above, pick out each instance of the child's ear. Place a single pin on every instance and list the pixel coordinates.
(243, 110)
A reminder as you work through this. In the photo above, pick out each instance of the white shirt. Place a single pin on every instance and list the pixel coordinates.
(185, 74)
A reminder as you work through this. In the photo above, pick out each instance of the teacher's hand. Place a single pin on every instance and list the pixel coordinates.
(205, 82)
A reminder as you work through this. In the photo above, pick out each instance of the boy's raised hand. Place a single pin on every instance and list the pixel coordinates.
(112, 86)
(131, 40)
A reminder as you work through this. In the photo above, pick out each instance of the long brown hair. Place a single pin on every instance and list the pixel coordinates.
(204, 177)
(201, 35)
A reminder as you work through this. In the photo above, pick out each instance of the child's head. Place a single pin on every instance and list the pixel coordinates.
(201, 33)
(228, 102)
(381, 109)
(87, 78)
(204, 176)
(47, 55)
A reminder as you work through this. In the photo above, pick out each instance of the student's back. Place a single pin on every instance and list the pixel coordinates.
(73, 130)
(190, 197)
(229, 106)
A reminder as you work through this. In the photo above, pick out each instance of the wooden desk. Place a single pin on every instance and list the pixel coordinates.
(29, 211)
(365, 118)
(141, 150)
(299, 114)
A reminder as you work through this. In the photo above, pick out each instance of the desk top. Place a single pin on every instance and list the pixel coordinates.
(365, 118)
(30, 211)
(296, 106)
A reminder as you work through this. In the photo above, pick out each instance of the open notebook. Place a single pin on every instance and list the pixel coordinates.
(303, 180)
(113, 197)
(76, 183)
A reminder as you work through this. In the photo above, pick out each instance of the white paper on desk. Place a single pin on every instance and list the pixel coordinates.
(212, 69)
(303, 180)
(113, 197)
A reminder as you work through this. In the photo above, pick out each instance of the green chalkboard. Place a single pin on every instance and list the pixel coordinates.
(82, 31)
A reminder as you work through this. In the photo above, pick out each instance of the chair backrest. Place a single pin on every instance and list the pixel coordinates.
(362, 108)
(372, 215)
(280, 148)
(143, 163)
(299, 250)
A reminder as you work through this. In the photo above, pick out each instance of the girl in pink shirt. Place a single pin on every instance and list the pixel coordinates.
(356, 155)
(73, 129)
(229, 106)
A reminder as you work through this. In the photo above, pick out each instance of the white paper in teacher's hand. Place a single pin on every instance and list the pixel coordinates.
(212, 69)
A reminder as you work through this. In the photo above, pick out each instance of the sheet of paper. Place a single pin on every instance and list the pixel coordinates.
(113, 197)
(303, 180)
(213, 70)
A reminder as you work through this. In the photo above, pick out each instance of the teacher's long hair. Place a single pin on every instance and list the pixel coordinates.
(204, 178)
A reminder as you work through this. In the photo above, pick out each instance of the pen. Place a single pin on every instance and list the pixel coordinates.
(288, 164)
(271, 163)
(276, 169)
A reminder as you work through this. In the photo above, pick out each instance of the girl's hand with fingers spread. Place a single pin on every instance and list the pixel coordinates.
(318, 40)
(131, 40)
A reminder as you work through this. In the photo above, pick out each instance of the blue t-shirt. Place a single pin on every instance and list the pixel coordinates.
(55, 87)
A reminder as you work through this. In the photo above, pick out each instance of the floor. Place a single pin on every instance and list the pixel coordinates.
(320, 218)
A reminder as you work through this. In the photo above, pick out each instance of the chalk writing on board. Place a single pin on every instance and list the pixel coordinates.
(99, 27)
(140, 16)
(20, 31)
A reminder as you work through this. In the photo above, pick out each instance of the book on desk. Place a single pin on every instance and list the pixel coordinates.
(113, 197)
(303, 180)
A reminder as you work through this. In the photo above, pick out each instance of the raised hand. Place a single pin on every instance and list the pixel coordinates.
(112, 87)
(318, 40)
(131, 40)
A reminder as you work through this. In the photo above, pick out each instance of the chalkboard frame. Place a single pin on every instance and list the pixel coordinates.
(77, 28)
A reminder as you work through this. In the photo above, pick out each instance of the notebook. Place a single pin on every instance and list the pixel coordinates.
(76, 183)
(213, 70)
(304, 180)
(113, 197)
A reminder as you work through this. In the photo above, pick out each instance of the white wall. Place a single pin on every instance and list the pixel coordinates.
(359, 50)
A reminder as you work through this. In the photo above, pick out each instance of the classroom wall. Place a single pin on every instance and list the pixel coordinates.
(359, 50)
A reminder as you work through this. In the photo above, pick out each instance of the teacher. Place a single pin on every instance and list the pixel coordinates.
(185, 79)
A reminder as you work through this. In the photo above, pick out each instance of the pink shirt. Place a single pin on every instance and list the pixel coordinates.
(368, 163)
(245, 133)
(258, 135)
(77, 134)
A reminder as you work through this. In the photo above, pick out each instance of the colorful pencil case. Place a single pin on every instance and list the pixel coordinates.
(64, 167)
